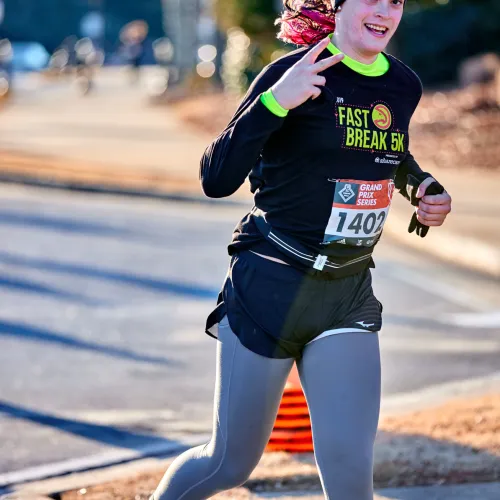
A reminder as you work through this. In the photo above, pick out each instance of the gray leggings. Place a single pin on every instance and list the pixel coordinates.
(340, 375)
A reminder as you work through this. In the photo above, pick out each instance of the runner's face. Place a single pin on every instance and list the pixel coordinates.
(366, 26)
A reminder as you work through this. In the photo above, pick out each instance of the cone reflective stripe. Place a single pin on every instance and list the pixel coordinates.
(294, 411)
(293, 447)
(292, 423)
(292, 429)
(298, 434)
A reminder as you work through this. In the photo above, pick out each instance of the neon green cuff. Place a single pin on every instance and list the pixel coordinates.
(272, 104)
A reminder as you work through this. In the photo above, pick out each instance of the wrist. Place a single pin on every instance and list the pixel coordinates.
(277, 92)
(269, 100)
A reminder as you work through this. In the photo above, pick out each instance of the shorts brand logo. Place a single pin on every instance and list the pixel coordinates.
(364, 325)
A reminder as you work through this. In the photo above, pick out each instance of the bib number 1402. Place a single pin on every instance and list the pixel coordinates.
(369, 223)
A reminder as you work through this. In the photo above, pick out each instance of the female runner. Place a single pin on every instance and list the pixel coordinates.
(323, 135)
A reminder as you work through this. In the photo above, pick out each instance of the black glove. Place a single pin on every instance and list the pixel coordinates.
(411, 189)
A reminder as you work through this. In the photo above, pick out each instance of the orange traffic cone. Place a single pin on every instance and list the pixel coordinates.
(292, 429)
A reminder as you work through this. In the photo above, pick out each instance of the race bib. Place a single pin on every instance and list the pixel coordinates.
(359, 211)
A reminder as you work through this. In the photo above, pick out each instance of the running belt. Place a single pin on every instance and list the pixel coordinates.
(295, 250)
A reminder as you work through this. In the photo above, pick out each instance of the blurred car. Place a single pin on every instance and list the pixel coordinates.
(29, 56)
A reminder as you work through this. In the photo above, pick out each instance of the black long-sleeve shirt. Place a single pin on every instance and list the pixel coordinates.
(322, 173)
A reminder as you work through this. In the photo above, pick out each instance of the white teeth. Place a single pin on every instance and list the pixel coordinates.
(380, 29)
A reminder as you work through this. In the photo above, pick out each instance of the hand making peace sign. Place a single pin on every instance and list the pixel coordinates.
(301, 81)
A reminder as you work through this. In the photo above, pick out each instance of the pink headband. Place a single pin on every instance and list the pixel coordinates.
(319, 18)
(299, 32)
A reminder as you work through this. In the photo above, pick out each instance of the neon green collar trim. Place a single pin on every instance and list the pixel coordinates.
(377, 68)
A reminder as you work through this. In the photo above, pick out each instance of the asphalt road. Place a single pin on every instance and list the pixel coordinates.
(103, 307)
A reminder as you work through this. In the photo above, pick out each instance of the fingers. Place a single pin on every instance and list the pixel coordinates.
(437, 199)
(313, 54)
(326, 63)
(318, 80)
(423, 186)
(429, 223)
(434, 209)
(315, 92)
(426, 217)
(435, 217)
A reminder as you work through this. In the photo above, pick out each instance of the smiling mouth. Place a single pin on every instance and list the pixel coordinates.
(376, 30)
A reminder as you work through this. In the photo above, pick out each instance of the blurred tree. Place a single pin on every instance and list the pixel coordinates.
(435, 36)
(256, 19)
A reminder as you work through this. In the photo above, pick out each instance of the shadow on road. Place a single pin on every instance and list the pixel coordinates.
(59, 224)
(32, 287)
(156, 285)
(30, 333)
(107, 434)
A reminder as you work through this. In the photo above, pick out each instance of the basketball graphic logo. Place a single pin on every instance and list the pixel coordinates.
(382, 117)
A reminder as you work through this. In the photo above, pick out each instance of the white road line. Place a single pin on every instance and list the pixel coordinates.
(436, 345)
(439, 394)
(478, 320)
(123, 417)
(464, 251)
(438, 288)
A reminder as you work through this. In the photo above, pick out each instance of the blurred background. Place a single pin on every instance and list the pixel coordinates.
(111, 258)
(50, 35)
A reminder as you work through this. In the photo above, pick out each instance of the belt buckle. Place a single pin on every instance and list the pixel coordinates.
(320, 262)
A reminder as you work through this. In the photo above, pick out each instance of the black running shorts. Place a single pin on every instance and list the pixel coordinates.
(276, 309)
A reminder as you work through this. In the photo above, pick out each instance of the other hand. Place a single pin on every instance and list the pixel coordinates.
(432, 209)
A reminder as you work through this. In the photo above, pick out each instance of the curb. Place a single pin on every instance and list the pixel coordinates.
(73, 469)
(434, 395)
(446, 245)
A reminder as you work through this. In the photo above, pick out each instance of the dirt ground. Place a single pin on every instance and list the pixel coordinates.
(457, 442)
